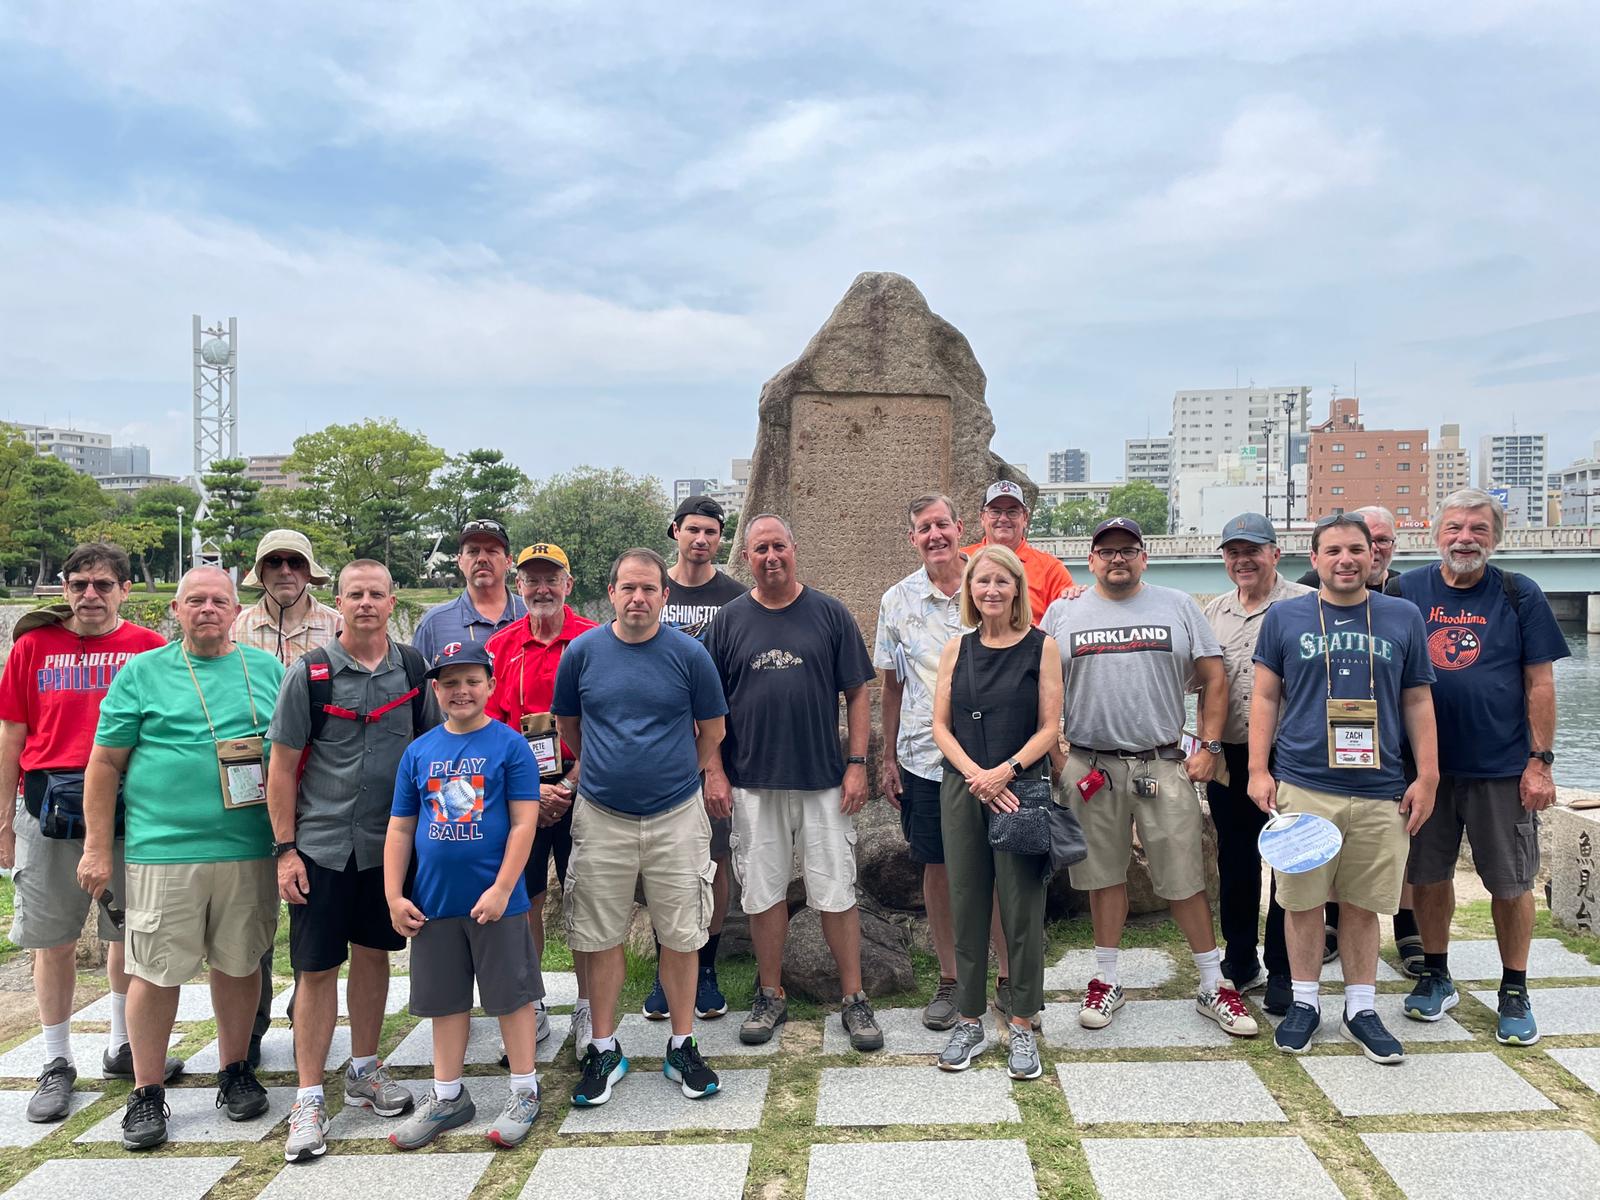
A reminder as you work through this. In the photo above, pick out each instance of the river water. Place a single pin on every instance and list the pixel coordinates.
(1578, 711)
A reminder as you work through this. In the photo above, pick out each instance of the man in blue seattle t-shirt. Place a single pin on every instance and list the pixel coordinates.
(1494, 642)
(1338, 673)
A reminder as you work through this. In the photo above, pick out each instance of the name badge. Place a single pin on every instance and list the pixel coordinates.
(241, 770)
(540, 731)
(1353, 735)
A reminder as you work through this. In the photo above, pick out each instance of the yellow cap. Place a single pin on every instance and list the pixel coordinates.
(545, 552)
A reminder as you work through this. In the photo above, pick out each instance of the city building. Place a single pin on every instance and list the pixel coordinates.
(130, 460)
(1516, 460)
(85, 452)
(1210, 424)
(1352, 466)
(1068, 466)
(1580, 490)
(1148, 459)
(267, 470)
(132, 481)
(682, 489)
(731, 494)
(1052, 494)
(1452, 463)
(1237, 483)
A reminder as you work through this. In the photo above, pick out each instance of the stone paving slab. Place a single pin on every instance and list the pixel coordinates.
(1584, 1063)
(1138, 1023)
(560, 989)
(903, 1033)
(1244, 1168)
(914, 1096)
(1390, 1008)
(1136, 968)
(1558, 1010)
(483, 1043)
(194, 1004)
(399, 993)
(987, 1170)
(277, 1052)
(17, 1130)
(638, 1172)
(1165, 1092)
(488, 1092)
(126, 1177)
(27, 1060)
(1550, 1164)
(196, 1118)
(648, 1102)
(400, 1177)
(1423, 1084)
(645, 1038)
(1333, 972)
(1547, 959)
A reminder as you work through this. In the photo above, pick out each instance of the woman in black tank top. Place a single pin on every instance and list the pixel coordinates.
(996, 717)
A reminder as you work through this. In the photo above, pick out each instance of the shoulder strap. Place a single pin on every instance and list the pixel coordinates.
(416, 675)
(319, 690)
(1512, 583)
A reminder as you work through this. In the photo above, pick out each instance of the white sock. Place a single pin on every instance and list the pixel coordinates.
(581, 1004)
(680, 1039)
(119, 1020)
(447, 1091)
(1105, 964)
(1307, 993)
(360, 1066)
(1358, 997)
(529, 1082)
(309, 1093)
(1209, 965)
(605, 1043)
(56, 1043)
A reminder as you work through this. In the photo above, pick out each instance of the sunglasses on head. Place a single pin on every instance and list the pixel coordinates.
(1341, 518)
(292, 561)
(78, 587)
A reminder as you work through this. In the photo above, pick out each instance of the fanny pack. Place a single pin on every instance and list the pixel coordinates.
(56, 798)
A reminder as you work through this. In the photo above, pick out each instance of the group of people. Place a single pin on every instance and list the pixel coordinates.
(418, 794)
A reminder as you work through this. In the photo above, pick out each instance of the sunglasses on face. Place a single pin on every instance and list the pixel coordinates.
(293, 561)
(78, 587)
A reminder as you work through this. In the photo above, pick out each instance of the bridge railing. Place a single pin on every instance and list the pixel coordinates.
(1298, 542)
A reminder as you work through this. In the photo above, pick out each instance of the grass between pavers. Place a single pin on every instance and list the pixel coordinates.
(781, 1144)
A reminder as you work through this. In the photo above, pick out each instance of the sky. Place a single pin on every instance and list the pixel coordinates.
(589, 233)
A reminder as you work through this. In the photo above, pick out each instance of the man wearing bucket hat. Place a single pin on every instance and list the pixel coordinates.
(1005, 523)
(288, 621)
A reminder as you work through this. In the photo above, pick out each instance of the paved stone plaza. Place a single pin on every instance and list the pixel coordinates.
(1161, 1104)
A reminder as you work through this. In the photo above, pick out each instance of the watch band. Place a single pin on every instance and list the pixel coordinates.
(1213, 746)
(279, 849)
(1015, 765)
(1545, 756)
(857, 760)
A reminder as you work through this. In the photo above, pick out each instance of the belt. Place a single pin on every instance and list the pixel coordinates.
(1172, 753)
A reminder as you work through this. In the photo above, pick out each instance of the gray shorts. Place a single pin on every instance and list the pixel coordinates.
(451, 952)
(721, 830)
(1504, 836)
(50, 906)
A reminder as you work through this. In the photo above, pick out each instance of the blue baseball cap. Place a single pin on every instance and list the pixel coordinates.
(1116, 525)
(1249, 527)
(460, 654)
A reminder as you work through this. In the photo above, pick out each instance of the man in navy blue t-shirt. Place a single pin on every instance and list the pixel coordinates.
(1494, 641)
(641, 704)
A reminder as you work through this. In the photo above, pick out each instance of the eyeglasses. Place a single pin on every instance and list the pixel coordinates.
(1340, 517)
(79, 586)
(1382, 541)
(1112, 553)
(293, 561)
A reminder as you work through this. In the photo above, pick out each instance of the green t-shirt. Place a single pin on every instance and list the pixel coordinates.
(173, 795)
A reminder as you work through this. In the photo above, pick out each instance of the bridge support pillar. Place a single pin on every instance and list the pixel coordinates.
(1593, 622)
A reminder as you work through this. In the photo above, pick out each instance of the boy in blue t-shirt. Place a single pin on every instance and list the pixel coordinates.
(466, 797)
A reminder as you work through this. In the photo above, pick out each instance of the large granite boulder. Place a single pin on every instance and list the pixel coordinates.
(808, 967)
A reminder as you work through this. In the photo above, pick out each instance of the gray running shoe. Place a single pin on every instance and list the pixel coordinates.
(1002, 1004)
(941, 1012)
(1022, 1062)
(768, 1012)
(542, 1012)
(967, 1041)
(120, 1064)
(856, 1016)
(515, 1119)
(53, 1097)
(582, 1033)
(433, 1117)
(308, 1131)
(375, 1090)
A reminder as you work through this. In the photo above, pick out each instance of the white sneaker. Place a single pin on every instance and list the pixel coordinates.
(582, 1032)
(1226, 1007)
(1099, 1002)
(543, 1021)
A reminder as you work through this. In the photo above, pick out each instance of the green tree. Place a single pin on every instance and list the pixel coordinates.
(45, 502)
(160, 505)
(479, 483)
(1076, 518)
(729, 553)
(1144, 502)
(234, 517)
(137, 535)
(594, 514)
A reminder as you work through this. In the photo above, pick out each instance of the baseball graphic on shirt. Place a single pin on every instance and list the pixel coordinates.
(458, 798)
(1453, 648)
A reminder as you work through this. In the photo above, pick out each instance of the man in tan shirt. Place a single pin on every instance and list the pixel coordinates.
(1250, 553)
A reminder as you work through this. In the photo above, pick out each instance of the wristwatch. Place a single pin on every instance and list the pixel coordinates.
(1212, 747)
(1016, 767)
(1545, 756)
(857, 760)
(279, 849)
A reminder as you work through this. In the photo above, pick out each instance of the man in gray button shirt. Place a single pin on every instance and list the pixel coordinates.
(345, 715)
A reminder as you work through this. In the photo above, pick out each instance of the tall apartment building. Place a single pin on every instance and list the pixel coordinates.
(1215, 422)
(1452, 463)
(682, 489)
(267, 469)
(130, 460)
(1580, 490)
(1352, 466)
(1069, 466)
(731, 494)
(1516, 460)
(1149, 459)
(85, 452)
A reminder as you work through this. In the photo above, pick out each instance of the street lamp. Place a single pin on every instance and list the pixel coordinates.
(1288, 463)
(180, 540)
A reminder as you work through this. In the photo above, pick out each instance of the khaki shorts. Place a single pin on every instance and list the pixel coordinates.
(1371, 864)
(1169, 824)
(612, 852)
(769, 824)
(182, 914)
(50, 906)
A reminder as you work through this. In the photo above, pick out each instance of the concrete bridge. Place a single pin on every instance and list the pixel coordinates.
(1564, 562)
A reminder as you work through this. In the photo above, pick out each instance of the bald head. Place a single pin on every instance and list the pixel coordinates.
(205, 607)
(214, 574)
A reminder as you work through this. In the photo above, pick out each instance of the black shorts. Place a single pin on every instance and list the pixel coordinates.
(449, 953)
(1504, 836)
(342, 908)
(919, 817)
(549, 840)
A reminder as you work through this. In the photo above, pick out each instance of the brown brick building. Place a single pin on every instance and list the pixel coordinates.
(1350, 466)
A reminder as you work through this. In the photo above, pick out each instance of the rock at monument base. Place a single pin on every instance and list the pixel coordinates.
(1574, 867)
(884, 869)
(808, 966)
(1063, 900)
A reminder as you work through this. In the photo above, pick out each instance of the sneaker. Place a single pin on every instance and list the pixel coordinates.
(709, 1002)
(967, 1041)
(239, 1092)
(144, 1121)
(1022, 1061)
(582, 1032)
(1434, 995)
(1517, 1026)
(601, 1070)
(1099, 1002)
(1278, 996)
(1298, 1025)
(53, 1097)
(1412, 961)
(1002, 1004)
(1226, 1007)
(941, 1011)
(688, 1070)
(516, 1119)
(120, 1064)
(375, 1090)
(433, 1117)
(1255, 977)
(308, 1131)
(655, 1004)
(855, 1014)
(768, 1011)
(541, 1022)
(1366, 1030)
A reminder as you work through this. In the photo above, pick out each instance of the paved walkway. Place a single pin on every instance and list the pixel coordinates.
(1161, 1104)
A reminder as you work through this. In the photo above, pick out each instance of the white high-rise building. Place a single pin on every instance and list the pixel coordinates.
(1452, 463)
(1580, 490)
(1068, 466)
(1213, 423)
(1148, 459)
(1516, 460)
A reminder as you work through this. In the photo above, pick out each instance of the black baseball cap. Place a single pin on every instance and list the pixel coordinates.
(460, 654)
(1124, 524)
(698, 506)
(485, 527)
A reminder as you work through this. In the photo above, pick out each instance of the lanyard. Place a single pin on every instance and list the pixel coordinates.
(249, 691)
(1327, 652)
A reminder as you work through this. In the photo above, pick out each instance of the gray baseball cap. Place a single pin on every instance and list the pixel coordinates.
(1249, 527)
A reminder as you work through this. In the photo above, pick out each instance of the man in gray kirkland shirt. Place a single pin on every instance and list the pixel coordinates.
(1130, 652)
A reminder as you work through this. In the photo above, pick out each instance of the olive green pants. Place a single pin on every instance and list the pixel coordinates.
(977, 873)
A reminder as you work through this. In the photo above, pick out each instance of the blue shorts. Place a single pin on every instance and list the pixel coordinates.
(919, 817)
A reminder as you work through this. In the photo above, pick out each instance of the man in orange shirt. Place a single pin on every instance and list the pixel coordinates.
(1005, 523)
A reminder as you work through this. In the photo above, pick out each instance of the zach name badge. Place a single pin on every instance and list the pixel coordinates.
(1353, 734)
(540, 731)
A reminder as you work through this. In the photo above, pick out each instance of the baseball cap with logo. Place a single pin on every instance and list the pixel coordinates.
(1004, 487)
(544, 552)
(1115, 524)
(1249, 527)
(485, 527)
(698, 506)
(460, 654)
